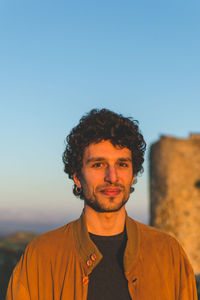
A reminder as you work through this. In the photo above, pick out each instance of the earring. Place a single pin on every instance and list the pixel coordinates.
(132, 189)
(77, 190)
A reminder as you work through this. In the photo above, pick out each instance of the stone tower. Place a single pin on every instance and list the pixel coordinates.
(175, 191)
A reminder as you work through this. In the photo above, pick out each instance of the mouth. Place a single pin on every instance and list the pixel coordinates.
(111, 191)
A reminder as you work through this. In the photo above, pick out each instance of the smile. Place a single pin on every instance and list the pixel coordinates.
(111, 191)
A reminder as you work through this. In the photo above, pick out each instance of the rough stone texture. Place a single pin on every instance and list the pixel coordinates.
(175, 191)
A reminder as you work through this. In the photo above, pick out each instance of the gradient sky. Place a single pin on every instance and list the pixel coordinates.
(58, 60)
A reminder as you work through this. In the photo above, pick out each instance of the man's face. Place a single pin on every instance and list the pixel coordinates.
(106, 176)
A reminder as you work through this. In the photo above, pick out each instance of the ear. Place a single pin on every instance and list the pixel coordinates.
(77, 181)
(133, 179)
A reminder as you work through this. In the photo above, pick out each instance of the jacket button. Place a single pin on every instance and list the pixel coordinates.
(93, 257)
(89, 262)
(85, 280)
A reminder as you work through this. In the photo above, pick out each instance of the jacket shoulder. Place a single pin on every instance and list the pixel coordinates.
(48, 243)
(150, 232)
(155, 239)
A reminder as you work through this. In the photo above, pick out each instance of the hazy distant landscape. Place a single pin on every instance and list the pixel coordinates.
(11, 249)
(7, 227)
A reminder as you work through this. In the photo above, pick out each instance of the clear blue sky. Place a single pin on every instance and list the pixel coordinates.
(58, 60)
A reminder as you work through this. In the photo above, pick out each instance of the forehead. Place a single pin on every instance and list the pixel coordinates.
(107, 150)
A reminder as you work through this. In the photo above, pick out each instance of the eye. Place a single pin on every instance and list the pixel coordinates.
(123, 164)
(97, 165)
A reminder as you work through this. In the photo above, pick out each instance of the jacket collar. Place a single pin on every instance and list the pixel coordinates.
(132, 251)
(91, 256)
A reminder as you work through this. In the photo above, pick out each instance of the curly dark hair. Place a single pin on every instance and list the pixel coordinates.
(100, 125)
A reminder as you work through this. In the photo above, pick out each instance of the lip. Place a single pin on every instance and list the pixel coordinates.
(111, 191)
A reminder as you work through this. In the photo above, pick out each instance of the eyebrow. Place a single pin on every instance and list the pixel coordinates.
(93, 159)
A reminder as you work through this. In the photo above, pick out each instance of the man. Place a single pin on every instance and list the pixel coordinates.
(104, 254)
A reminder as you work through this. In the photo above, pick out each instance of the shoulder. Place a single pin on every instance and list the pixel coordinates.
(152, 238)
(158, 243)
(50, 242)
(152, 232)
(161, 246)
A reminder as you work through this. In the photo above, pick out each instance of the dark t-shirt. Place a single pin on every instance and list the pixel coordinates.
(107, 281)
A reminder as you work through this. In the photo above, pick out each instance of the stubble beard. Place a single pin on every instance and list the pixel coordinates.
(95, 204)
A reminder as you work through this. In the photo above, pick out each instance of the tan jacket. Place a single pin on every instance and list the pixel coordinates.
(57, 265)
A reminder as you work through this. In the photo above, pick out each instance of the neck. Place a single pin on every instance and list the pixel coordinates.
(108, 223)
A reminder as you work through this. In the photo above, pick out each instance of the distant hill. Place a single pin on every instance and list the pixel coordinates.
(17, 240)
(11, 249)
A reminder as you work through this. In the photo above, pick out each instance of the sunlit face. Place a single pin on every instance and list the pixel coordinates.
(106, 176)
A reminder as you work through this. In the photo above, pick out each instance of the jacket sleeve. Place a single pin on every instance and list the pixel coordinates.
(183, 274)
(17, 288)
(187, 287)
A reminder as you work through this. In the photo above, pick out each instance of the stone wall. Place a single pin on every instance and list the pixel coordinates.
(175, 191)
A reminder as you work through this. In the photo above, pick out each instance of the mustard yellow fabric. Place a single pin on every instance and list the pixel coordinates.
(57, 265)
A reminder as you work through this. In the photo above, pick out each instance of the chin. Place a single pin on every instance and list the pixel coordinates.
(103, 209)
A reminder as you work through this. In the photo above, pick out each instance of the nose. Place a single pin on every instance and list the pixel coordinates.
(111, 174)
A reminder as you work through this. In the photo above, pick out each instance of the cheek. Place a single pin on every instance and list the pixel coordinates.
(87, 183)
(93, 178)
(128, 177)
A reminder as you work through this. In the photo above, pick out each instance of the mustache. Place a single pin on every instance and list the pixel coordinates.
(105, 186)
